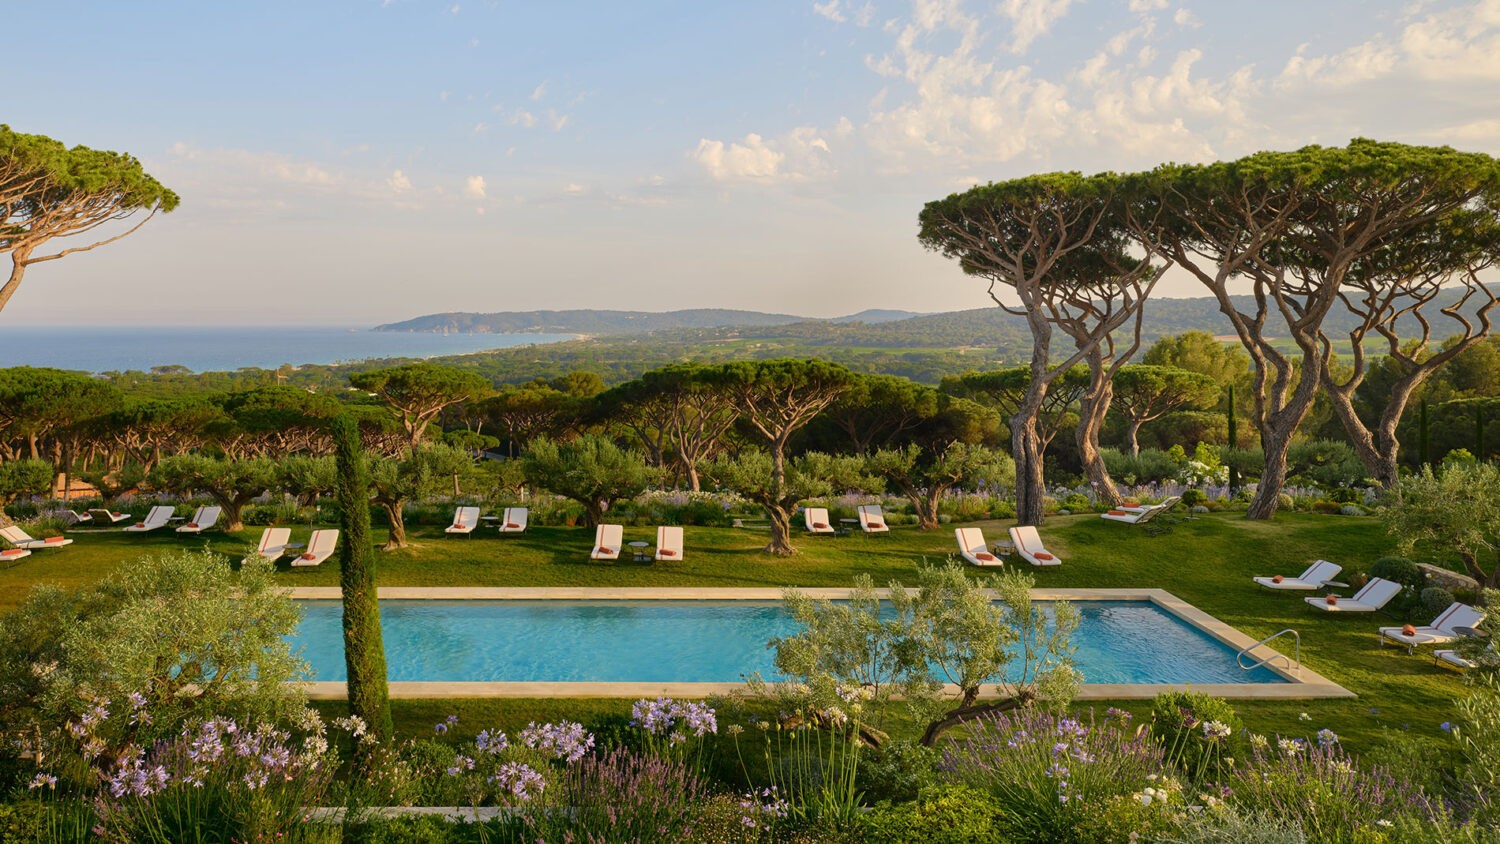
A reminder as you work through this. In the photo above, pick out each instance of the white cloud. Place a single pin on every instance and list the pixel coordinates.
(398, 182)
(752, 160)
(798, 155)
(523, 118)
(539, 91)
(267, 165)
(1185, 18)
(1031, 19)
(474, 186)
(830, 10)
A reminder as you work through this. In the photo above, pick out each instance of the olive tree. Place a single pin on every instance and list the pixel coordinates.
(230, 483)
(780, 486)
(777, 398)
(50, 191)
(950, 630)
(22, 478)
(925, 477)
(1456, 509)
(398, 480)
(591, 470)
(160, 642)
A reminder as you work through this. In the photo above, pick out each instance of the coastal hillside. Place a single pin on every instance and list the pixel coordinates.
(595, 322)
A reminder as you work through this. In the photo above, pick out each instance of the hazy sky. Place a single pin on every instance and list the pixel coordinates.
(363, 161)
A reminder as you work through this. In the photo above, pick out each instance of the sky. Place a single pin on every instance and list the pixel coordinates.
(352, 162)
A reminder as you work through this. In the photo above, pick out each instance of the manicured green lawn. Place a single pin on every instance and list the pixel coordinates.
(1207, 561)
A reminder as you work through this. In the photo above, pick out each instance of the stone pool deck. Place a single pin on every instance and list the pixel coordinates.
(1300, 684)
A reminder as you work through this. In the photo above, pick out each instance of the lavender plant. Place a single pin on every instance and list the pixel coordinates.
(1048, 771)
(1318, 786)
(625, 797)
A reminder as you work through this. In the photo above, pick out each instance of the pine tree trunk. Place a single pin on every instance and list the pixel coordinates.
(364, 649)
(1091, 411)
(1026, 447)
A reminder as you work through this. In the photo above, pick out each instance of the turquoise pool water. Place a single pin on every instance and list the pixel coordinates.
(703, 642)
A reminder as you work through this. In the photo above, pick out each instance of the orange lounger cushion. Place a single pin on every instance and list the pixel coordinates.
(1277, 578)
(1408, 630)
(1042, 555)
(667, 552)
(1118, 513)
(140, 524)
(191, 524)
(309, 556)
(983, 555)
(819, 526)
(11, 552)
(604, 551)
(1332, 600)
(512, 525)
(53, 539)
(876, 525)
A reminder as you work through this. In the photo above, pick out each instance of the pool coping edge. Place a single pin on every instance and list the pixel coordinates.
(1306, 685)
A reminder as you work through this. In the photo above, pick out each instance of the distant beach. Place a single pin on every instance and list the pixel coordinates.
(227, 348)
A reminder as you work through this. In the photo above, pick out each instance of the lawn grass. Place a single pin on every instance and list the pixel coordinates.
(1207, 561)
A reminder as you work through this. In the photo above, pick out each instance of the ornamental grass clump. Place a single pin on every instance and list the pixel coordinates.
(1051, 775)
(1319, 787)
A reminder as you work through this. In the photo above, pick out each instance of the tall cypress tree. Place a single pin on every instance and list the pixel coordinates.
(364, 651)
(1234, 441)
(1479, 432)
(1422, 435)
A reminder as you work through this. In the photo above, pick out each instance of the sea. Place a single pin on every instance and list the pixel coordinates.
(227, 348)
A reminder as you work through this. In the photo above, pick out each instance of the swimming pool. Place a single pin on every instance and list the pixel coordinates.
(707, 641)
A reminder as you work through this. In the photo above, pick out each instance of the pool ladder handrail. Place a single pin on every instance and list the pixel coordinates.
(1293, 663)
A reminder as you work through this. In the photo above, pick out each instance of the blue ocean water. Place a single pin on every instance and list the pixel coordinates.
(703, 641)
(227, 348)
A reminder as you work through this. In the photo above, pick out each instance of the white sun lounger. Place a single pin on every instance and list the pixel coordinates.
(465, 519)
(871, 520)
(108, 515)
(1135, 516)
(817, 521)
(1440, 631)
(1376, 594)
(319, 548)
(1029, 545)
(273, 542)
(157, 518)
(205, 518)
(513, 520)
(13, 554)
(1452, 658)
(18, 537)
(76, 517)
(1316, 575)
(607, 542)
(972, 547)
(669, 543)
